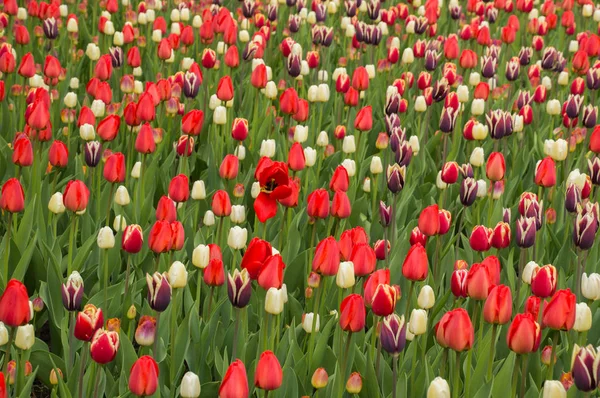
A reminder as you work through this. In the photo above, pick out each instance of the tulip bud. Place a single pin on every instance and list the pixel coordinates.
(209, 218)
(393, 334)
(177, 275)
(56, 205)
(438, 388)
(25, 337)
(198, 190)
(190, 386)
(237, 237)
(426, 298)
(122, 196)
(418, 322)
(72, 292)
(583, 318)
(307, 322)
(159, 291)
(345, 275)
(106, 239)
(319, 378)
(145, 333)
(554, 389)
(274, 301)
(354, 383)
(3, 334)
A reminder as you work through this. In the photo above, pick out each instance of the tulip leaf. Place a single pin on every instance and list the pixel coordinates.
(503, 378)
(23, 233)
(289, 387)
(24, 261)
(26, 389)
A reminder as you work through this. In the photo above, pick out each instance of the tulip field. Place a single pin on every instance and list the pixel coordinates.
(299, 198)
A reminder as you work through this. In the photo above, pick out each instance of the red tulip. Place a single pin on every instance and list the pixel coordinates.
(352, 313)
(229, 167)
(258, 78)
(108, 128)
(445, 218)
(495, 167)
(191, 123)
(383, 302)
(327, 257)
(225, 89)
(296, 159)
(498, 305)
(480, 281)
(381, 276)
(239, 129)
(416, 264)
(268, 375)
(103, 69)
(133, 239)
(429, 223)
(301, 114)
(38, 115)
(288, 102)
(58, 155)
(22, 151)
(145, 111)
(235, 382)
(13, 197)
(87, 322)
(255, 255)
(339, 180)
(318, 204)
(27, 67)
(340, 205)
(271, 272)
(349, 239)
(455, 330)
(114, 168)
(364, 259)
(501, 236)
(76, 195)
(3, 390)
(543, 281)
(524, 334)
(274, 181)
(480, 239)
(214, 273)
(221, 205)
(458, 283)
(164, 50)
(545, 173)
(177, 235)
(52, 68)
(179, 188)
(144, 142)
(104, 346)
(165, 209)
(360, 79)
(14, 304)
(416, 236)
(160, 239)
(143, 377)
(364, 119)
(595, 140)
(559, 312)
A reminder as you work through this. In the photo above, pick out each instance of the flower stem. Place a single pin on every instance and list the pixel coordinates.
(7, 249)
(523, 375)
(82, 370)
(550, 372)
(455, 388)
(395, 377)
(492, 352)
(105, 281)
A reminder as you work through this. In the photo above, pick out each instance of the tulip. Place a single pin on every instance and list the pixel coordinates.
(383, 301)
(583, 367)
(14, 304)
(393, 334)
(543, 281)
(318, 204)
(345, 275)
(72, 292)
(526, 231)
(145, 333)
(76, 196)
(214, 273)
(106, 239)
(179, 190)
(354, 383)
(237, 237)
(455, 330)
(524, 334)
(160, 239)
(495, 167)
(583, 318)
(418, 322)
(498, 305)
(438, 388)
(271, 272)
(25, 337)
(559, 313)
(426, 298)
(458, 283)
(221, 204)
(87, 322)
(554, 389)
(590, 286)
(364, 259)
(104, 346)
(352, 313)
(143, 377)
(13, 197)
(274, 300)
(235, 381)
(159, 291)
(190, 386)
(327, 257)
(429, 220)
(416, 263)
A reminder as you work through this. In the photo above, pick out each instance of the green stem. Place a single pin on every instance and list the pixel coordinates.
(550, 371)
(82, 370)
(105, 281)
(236, 324)
(395, 377)
(7, 249)
(174, 310)
(455, 383)
(523, 375)
(492, 352)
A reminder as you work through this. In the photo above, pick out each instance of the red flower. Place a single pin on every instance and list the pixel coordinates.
(296, 159)
(318, 203)
(480, 281)
(214, 274)
(235, 382)
(271, 272)
(429, 220)
(495, 167)
(274, 185)
(349, 238)
(524, 334)
(416, 264)
(340, 205)
(559, 313)
(543, 281)
(165, 209)
(229, 167)
(327, 257)
(498, 305)
(133, 239)
(13, 197)
(383, 302)
(179, 188)
(225, 89)
(160, 238)
(143, 377)
(76, 195)
(381, 276)
(339, 180)
(191, 123)
(364, 259)
(360, 79)
(288, 102)
(257, 252)
(455, 330)
(545, 173)
(364, 119)
(104, 346)
(114, 168)
(58, 155)
(14, 304)
(268, 375)
(221, 204)
(352, 313)
(108, 128)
